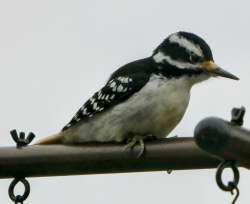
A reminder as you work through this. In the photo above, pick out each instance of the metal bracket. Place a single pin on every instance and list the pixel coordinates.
(237, 119)
(238, 116)
(19, 198)
(231, 185)
(21, 141)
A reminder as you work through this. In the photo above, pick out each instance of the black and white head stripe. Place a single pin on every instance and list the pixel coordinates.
(183, 50)
(160, 57)
(115, 91)
(189, 45)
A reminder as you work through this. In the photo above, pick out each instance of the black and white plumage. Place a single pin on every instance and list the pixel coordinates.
(145, 97)
(117, 89)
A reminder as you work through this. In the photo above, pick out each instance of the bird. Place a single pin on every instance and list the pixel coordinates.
(144, 98)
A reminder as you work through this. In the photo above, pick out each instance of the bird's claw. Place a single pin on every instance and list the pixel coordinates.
(132, 142)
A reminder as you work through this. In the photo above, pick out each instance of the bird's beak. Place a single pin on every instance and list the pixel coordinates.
(215, 70)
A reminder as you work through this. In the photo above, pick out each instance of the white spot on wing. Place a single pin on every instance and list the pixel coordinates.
(126, 80)
(84, 111)
(95, 106)
(123, 79)
(92, 100)
(112, 85)
(99, 95)
(120, 88)
(111, 81)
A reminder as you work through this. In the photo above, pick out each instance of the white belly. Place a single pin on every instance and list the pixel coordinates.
(155, 110)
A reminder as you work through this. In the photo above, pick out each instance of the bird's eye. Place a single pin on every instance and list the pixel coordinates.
(194, 58)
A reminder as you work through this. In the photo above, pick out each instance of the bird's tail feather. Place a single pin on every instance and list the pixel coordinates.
(52, 139)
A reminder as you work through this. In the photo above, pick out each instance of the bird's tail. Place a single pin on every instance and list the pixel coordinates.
(52, 139)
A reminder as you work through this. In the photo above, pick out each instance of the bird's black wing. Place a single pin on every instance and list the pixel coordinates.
(122, 85)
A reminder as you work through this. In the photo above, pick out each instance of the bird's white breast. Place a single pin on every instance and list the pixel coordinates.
(155, 110)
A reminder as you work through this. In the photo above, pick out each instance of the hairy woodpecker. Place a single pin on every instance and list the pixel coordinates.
(144, 98)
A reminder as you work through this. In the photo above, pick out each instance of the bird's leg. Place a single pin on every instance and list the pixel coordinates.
(132, 142)
(142, 147)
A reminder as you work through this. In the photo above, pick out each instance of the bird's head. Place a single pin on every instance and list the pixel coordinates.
(185, 53)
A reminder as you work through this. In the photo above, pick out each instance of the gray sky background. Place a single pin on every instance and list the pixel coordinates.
(54, 54)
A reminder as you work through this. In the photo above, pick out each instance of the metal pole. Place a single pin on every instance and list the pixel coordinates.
(224, 139)
(59, 160)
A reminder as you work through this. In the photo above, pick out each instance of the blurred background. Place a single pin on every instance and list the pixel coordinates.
(54, 54)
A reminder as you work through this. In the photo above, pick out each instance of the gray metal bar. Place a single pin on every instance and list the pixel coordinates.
(59, 160)
(224, 139)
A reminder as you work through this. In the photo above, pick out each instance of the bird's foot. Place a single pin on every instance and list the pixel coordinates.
(133, 141)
